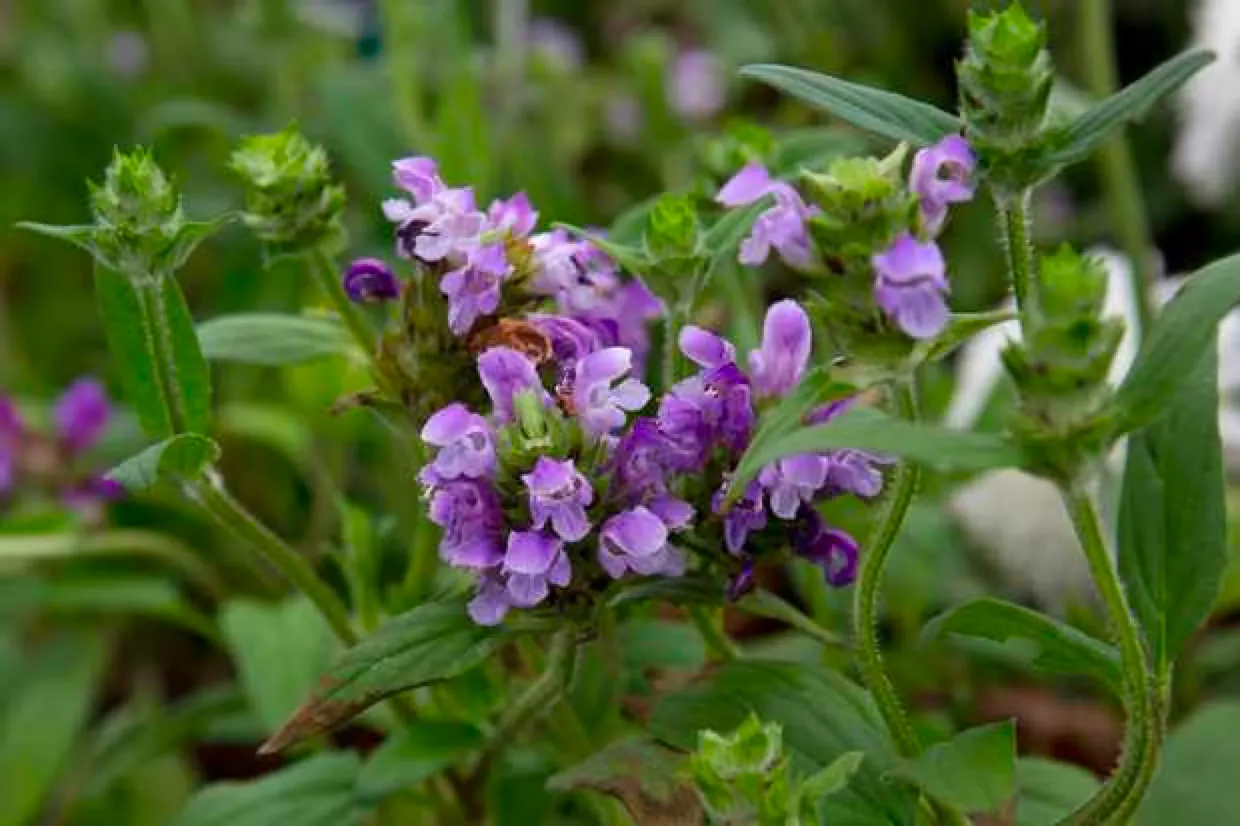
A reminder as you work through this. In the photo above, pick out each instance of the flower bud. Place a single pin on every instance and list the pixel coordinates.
(369, 280)
(291, 198)
(672, 230)
(137, 211)
(864, 204)
(742, 774)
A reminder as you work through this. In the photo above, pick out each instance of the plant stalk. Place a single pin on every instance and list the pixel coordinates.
(874, 557)
(325, 272)
(709, 624)
(1014, 226)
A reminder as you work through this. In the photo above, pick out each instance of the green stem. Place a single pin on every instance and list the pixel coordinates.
(1121, 187)
(151, 297)
(709, 624)
(233, 516)
(1014, 232)
(327, 274)
(870, 579)
(1119, 796)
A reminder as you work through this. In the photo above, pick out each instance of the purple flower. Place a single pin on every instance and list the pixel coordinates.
(706, 349)
(696, 86)
(448, 226)
(369, 280)
(942, 176)
(834, 551)
(911, 284)
(742, 582)
(779, 364)
(534, 561)
(625, 311)
(855, 472)
(473, 290)
(514, 216)
(491, 603)
(88, 497)
(601, 407)
(557, 43)
(713, 408)
(82, 414)
(639, 461)
(793, 480)
(677, 514)
(571, 340)
(465, 441)
(504, 373)
(559, 493)
(782, 227)
(747, 514)
(8, 471)
(419, 177)
(636, 540)
(469, 512)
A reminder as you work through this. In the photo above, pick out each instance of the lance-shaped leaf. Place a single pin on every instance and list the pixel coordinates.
(1088, 132)
(319, 791)
(433, 642)
(1056, 647)
(273, 340)
(874, 110)
(975, 771)
(181, 457)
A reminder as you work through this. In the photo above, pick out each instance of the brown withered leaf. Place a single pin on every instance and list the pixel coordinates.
(521, 336)
(642, 775)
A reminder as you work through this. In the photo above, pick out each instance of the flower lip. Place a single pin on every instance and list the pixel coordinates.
(369, 280)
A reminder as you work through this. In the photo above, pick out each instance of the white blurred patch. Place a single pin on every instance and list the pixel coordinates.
(1206, 152)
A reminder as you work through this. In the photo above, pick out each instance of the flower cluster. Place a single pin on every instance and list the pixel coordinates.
(31, 460)
(908, 270)
(555, 493)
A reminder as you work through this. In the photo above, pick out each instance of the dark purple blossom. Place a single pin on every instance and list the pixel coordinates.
(637, 540)
(82, 414)
(504, 373)
(571, 339)
(639, 463)
(369, 280)
(600, 406)
(911, 286)
(792, 481)
(742, 582)
(559, 493)
(534, 562)
(465, 440)
(745, 515)
(832, 550)
(942, 175)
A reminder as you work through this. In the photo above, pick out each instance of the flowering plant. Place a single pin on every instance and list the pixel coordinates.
(584, 446)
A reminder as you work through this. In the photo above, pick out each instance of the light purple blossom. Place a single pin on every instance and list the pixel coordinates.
(600, 406)
(941, 176)
(469, 512)
(787, 340)
(747, 514)
(639, 462)
(448, 226)
(637, 540)
(465, 440)
(473, 290)
(514, 216)
(677, 514)
(369, 280)
(782, 227)
(696, 86)
(571, 339)
(580, 276)
(559, 493)
(626, 310)
(419, 177)
(491, 603)
(82, 414)
(534, 562)
(855, 472)
(504, 373)
(792, 481)
(911, 285)
(704, 348)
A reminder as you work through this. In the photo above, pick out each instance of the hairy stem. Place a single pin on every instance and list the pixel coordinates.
(870, 579)
(232, 515)
(1121, 187)
(1115, 802)
(327, 275)
(1014, 232)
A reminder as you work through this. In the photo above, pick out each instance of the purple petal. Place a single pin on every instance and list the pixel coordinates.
(777, 367)
(745, 187)
(82, 414)
(369, 280)
(448, 424)
(515, 215)
(504, 373)
(527, 590)
(675, 513)
(531, 552)
(637, 532)
(417, 176)
(704, 348)
(490, 604)
(606, 365)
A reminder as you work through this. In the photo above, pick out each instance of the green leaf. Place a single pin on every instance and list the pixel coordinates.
(189, 238)
(631, 259)
(1196, 782)
(280, 650)
(690, 589)
(823, 715)
(762, 603)
(724, 237)
(273, 340)
(975, 771)
(81, 236)
(1049, 791)
(1057, 648)
(1178, 340)
(1092, 129)
(1173, 516)
(643, 775)
(833, 779)
(874, 110)
(143, 321)
(431, 643)
(41, 719)
(316, 792)
(180, 457)
(421, 750)
(960, 328)
(867, 429)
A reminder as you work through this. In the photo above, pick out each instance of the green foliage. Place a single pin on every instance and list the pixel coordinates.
(1196, 783)
(272, 340)
(419, 751)
(644, 776)
(975, 771)
(1050, 791)
(180, 458)
(319, 791)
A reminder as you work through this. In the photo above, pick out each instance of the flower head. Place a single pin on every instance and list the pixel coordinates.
(559, 494)
(465, 440)
(82, 414)
(600, 407)
(533, 562)
(504, 373)
(369, 280)
(639, 462)
(793, 480)
(942, 176)
(637, 540)
(911, 284)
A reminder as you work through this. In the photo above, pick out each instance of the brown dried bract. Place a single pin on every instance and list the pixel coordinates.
(521, 336)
